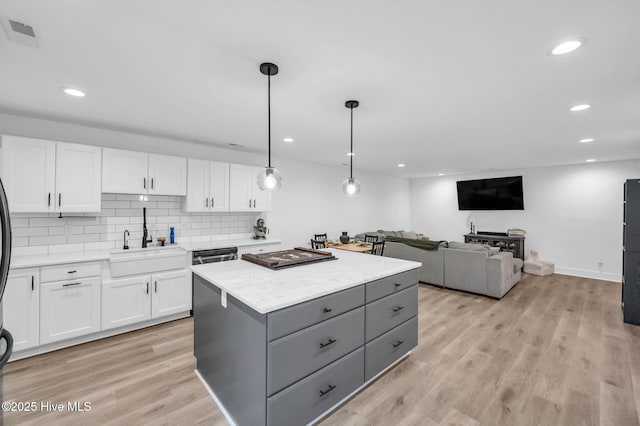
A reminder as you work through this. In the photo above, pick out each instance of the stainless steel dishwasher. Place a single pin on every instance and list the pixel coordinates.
(200, 257)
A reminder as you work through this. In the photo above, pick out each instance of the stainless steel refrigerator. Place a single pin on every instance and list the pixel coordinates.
(6, 341)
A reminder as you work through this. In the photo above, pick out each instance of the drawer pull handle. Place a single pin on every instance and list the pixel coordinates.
(326, 310)
(72, 272)
(33, 287)
(398, 308)
(330, 342)
(70, 284)
(398, 343)
(147, 287)
(397, 285)
(324, 392)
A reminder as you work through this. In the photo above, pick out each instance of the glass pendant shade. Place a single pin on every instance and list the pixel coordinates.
(351, 186)
(269, 179)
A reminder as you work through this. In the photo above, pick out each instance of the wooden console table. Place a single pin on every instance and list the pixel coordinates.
(513, 244)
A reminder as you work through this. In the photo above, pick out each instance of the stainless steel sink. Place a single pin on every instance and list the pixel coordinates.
(146, 260)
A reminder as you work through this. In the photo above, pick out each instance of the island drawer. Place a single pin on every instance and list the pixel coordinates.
(287, 320)
(389, 285)
(71, 271)
(307, 399)
(297, 355)
(391, 346)
(388, 312)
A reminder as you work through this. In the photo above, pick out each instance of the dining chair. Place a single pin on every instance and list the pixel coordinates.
(377, 248)
(320, 237)
(368, 238)
(317, 244)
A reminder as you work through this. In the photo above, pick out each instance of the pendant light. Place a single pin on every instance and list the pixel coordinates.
(352, 185)
(270, 178)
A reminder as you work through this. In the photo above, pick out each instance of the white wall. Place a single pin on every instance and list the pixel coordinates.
(310, 201)
(572, 214)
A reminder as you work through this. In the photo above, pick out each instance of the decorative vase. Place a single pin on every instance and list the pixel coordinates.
(344, 238)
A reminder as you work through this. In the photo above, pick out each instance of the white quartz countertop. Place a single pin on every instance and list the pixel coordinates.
(266, 290)
(47, 259)
(226, 243)
(34, 260)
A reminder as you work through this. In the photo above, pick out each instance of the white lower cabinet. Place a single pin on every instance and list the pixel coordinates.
(22, 307)
(171, 293)
(131, 300)
(69, 309)
(125, 301)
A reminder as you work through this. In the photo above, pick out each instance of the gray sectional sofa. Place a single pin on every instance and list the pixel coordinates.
(469, 267)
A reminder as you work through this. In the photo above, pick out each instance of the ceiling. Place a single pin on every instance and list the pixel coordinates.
(444, 86)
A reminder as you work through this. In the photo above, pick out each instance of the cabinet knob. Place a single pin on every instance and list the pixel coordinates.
(398, 308)
(326, 310)
(398, 343)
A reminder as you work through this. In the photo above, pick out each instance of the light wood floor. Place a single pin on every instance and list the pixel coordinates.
(554, 351)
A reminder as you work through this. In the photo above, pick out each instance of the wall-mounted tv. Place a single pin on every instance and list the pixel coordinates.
(491, 194)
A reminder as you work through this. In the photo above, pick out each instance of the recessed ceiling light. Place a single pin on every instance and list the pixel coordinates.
(351, 154)
(590, 160)
(288, 139)
(580, 107)
(566, 47)
(74, 92)
(585, 140)
(440, 174)
(401, 165)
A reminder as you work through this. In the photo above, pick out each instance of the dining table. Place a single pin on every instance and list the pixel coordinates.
(357, 247)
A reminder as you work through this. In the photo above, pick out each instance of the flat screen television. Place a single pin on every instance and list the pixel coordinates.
(491, 194)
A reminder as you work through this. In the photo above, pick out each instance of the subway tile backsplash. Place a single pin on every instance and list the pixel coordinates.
(39, 233)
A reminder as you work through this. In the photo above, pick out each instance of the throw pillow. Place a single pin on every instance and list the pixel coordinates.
(409, 234)
(493, 251)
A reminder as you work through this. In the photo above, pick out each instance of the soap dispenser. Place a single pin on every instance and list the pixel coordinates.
(172, 236)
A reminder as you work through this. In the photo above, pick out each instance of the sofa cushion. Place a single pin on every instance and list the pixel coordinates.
(517, 264)
(468, 246)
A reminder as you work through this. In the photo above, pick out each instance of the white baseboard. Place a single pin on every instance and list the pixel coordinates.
(585, 273)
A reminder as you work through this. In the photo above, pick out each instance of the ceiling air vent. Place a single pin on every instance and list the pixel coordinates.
(19, 32)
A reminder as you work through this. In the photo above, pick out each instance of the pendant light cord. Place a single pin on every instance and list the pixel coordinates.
(351, 170)
(269, 113)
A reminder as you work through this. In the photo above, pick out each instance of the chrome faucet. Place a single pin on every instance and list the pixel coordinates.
(126, 240)
(146, 238)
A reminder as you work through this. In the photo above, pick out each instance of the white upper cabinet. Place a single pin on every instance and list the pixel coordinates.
(167, 175)
(240, 191)
(133, 172)
(219, 187)
(28, 174)
(47, 176)
(208, 186)
(245, 195)
(78, 177)
(124, 172)
(198, 178)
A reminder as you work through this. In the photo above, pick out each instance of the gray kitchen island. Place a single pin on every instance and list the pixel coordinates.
(286, 347)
